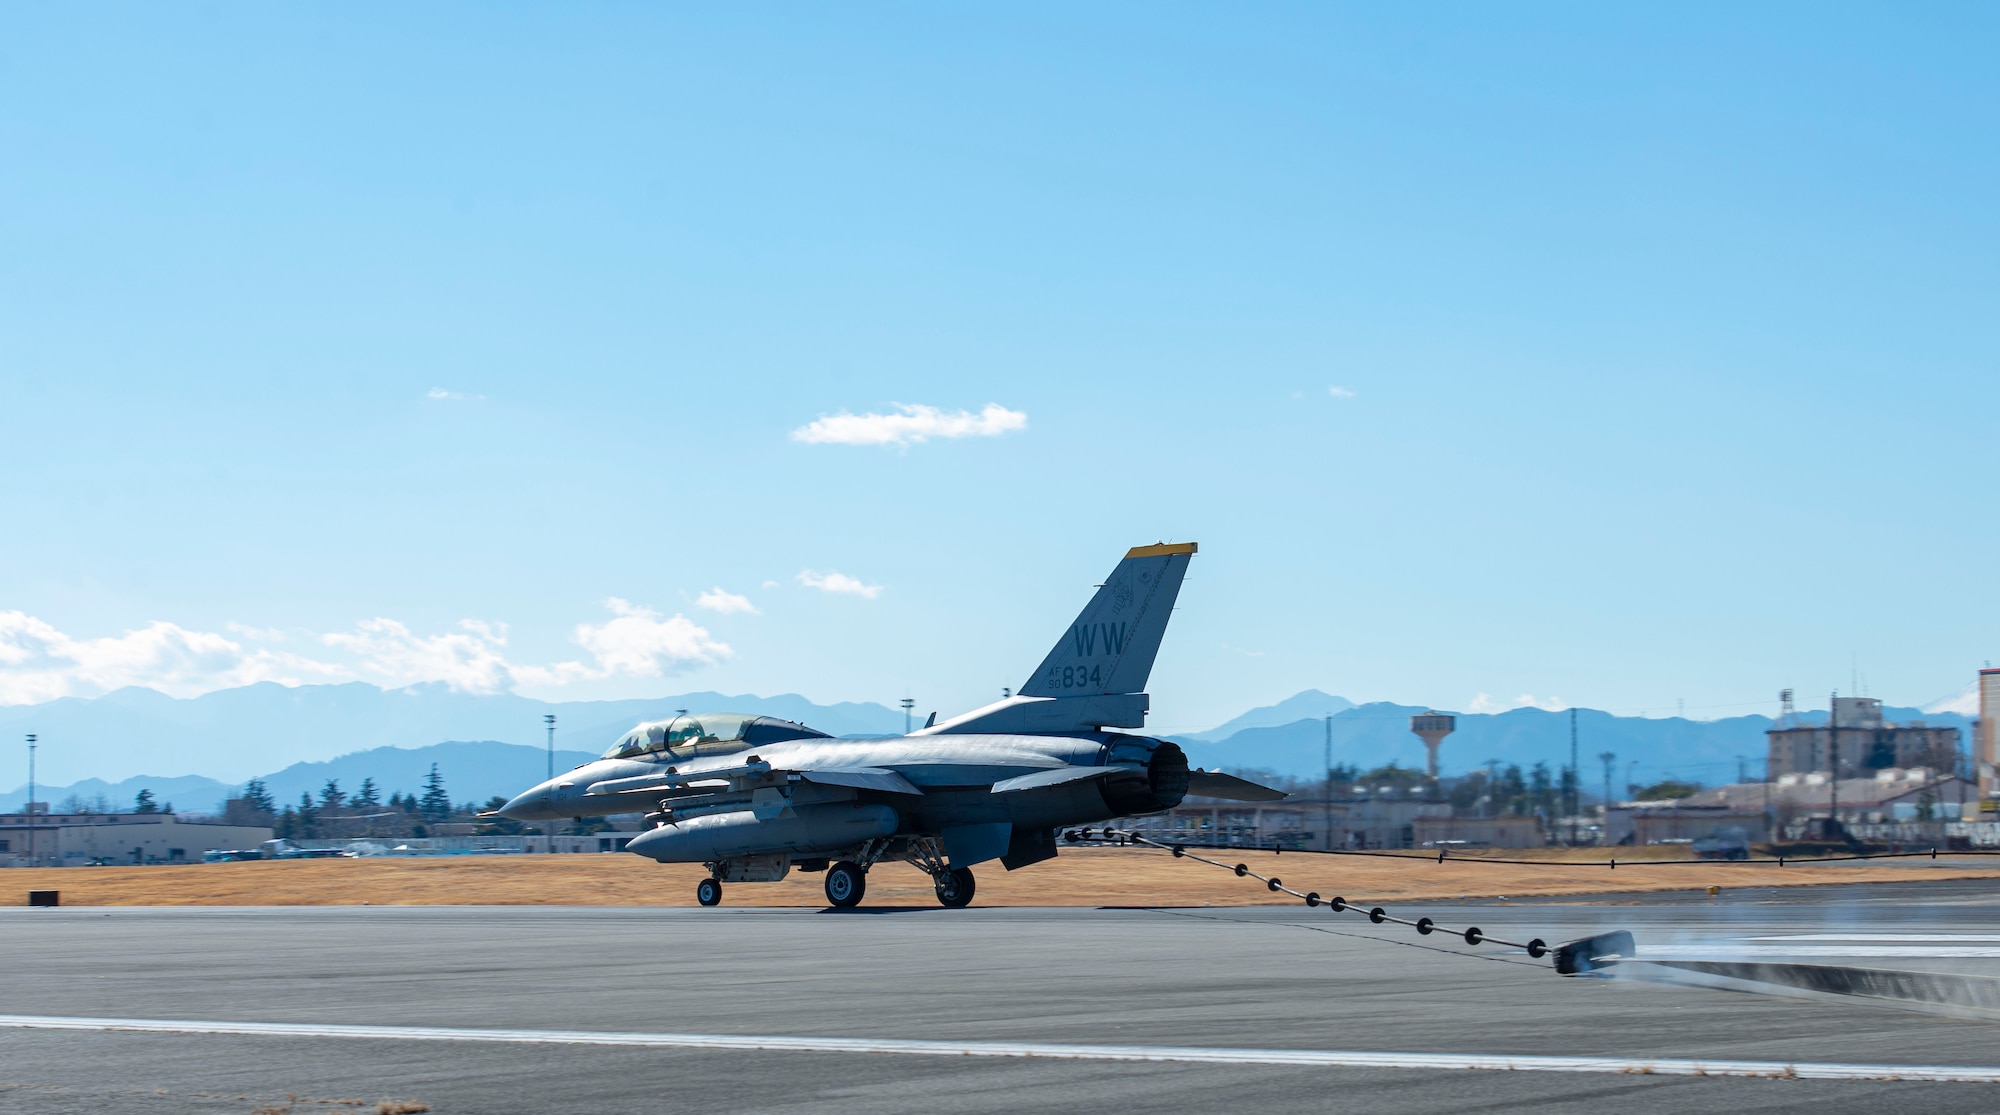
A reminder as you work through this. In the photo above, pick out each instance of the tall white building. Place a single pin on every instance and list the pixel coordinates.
(1987, 745)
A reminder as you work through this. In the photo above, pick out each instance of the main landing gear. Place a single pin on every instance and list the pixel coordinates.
(708, 892)
(846, 882)
(954, 888)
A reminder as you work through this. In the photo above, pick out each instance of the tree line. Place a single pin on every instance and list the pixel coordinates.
(336, 813)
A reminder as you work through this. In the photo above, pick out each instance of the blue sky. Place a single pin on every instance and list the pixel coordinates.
(1593, 354)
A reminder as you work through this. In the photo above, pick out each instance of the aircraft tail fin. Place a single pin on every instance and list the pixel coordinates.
(1111, 646)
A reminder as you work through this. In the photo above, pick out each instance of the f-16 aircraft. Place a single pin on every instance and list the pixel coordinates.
(752, 797)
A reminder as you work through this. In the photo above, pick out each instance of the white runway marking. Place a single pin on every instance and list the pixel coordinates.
(1308, 1058)
(1898, 938)
(1796, 952)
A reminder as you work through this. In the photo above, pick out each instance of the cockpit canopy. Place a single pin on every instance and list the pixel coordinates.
(707, 733)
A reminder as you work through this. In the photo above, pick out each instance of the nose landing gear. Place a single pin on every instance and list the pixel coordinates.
(954, 888)
(708, 892)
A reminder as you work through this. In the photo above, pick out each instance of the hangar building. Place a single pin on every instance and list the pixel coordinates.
(80, 839)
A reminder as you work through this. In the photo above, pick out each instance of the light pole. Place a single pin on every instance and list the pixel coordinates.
(1833, 763)
(1327, 841)
(549, 719)
(31, 799)
(1575, 779)
(1607, 758)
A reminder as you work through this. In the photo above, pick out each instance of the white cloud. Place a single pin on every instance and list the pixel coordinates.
(469, 659)
(642, 643)
(770, 584)
(1965, 702)
(1242, 651)
(40, 663)
(727, 603)
(442, 395)
(912, 424)
(1340, 392)
(256, 634)
(838, 582)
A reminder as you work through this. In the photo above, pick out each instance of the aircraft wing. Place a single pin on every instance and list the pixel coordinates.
(1215, 784)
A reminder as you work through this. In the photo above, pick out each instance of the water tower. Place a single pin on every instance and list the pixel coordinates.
(1432, 727)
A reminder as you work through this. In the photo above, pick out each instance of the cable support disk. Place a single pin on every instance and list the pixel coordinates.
(1571, 958)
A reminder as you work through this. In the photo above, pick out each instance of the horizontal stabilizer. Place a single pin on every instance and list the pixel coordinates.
(1057, 777)
(863, 778)
(1215, 784)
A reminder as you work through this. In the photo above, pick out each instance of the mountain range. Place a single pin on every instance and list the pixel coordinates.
(236, 734)
(473, 771)
(1309, 705)
(1376, 734)
(488, 745)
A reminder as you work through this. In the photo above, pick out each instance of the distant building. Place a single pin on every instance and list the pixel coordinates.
(1861, 741)
(1987, 745)
(1681, 822)
(1886, 796)
(1766, 810)
(81, 839)
(1480, 832)
(1371, 822)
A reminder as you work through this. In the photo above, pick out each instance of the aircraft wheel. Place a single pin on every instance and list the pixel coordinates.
(845, 884)
(708, 892)
(955, 889)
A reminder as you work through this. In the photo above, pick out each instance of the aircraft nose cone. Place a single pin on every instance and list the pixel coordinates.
(528, 806)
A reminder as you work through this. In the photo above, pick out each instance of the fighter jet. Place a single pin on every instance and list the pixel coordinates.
(752, 797)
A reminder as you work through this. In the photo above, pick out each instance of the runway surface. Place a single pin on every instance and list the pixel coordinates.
(510, 1009)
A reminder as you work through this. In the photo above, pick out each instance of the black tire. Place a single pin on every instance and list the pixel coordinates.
(954, 891)
(846, 883)
(708, 892)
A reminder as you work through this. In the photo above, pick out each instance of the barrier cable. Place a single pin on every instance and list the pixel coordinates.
(1444, 853)
(1471, 935)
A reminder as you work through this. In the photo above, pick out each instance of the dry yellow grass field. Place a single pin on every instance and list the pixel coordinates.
(1080, 877)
